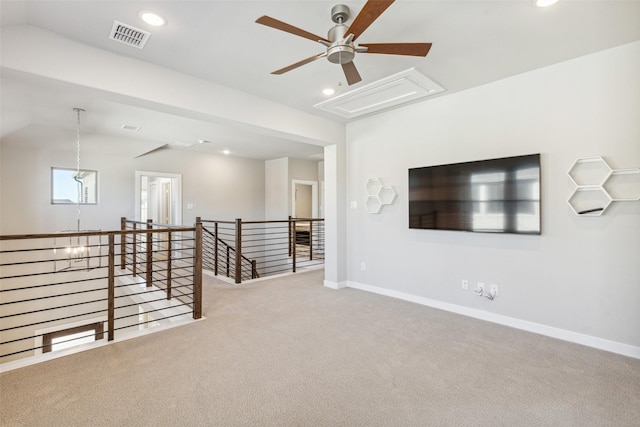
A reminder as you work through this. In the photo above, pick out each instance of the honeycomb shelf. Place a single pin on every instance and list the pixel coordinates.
(597, 185)
(378, 195)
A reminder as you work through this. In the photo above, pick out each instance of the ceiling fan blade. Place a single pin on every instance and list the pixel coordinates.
(369, 13)
(412, 49)
(299, 63)
(351, 73)
(283, 26)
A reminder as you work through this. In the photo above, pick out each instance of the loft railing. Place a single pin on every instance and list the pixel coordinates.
(221, 257)
(245, 250)
(95, 284)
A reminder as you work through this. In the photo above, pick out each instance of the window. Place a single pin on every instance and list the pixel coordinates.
(69, 187)
(66, 338)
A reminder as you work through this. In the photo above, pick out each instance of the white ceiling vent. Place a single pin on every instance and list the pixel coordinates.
(183, 144)
(131, 128)
(129, 35)
(391, 91)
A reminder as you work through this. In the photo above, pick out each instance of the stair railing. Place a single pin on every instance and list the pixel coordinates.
(246, 250)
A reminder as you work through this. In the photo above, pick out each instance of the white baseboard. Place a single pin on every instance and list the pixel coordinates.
(336, 285)
(562, 334)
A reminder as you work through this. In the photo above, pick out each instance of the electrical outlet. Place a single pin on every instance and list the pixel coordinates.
(493, 288)
(363, 266)
(465, 285)
(480, 287)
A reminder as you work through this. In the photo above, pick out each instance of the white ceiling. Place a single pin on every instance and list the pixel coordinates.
(475, 42)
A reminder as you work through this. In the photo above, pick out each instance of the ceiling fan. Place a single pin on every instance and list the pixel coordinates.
(340, 41)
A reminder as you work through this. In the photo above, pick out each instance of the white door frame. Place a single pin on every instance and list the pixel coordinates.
(314, 196)
(176, 193)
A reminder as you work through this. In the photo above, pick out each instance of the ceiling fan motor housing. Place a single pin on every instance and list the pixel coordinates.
(340, 51)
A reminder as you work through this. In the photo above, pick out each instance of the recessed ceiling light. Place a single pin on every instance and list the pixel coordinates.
(226, 152)
(152, 18)
(545, 3)
(131, 128)
(328, 91)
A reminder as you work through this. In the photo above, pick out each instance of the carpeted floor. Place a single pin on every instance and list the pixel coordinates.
(289, 352)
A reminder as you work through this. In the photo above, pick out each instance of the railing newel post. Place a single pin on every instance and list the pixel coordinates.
(197, 273)
(310, 240)
(215, 249)
(111, 290)
(134, 244)
(290, 234)
(238, 249)
(169, 262)
(123, 242)
(149, 268)
(295, 243)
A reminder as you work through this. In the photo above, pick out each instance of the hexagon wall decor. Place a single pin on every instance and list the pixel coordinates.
(597, 185)
(378, 195)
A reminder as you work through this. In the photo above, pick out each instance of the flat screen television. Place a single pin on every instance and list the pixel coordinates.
(490, 196)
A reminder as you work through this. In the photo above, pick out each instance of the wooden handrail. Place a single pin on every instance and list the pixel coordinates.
(90, 233)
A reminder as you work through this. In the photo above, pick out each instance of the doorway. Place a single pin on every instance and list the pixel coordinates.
(304, 199)
(159, 197)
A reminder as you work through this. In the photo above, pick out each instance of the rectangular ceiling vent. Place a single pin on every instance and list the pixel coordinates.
(129, 35)
(183, 144)
(400, 88)
(131, 128)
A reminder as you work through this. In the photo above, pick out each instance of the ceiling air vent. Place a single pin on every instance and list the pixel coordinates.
(129, 35)
(401, 88)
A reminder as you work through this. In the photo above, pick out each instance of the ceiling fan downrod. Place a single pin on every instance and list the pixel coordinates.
(341, 50)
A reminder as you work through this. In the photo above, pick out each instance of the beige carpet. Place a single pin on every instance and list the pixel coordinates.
(289, 352)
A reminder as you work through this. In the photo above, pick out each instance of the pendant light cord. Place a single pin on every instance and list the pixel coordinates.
(77, 178)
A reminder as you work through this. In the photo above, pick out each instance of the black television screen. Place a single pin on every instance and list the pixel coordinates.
(491, 196)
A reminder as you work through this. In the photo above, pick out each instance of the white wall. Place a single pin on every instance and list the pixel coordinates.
(279, 175)
(218, 187)
(582, 275)
(321, 189)
(303, 201)
(25, 198)
(335, 224)
(301, 170)
(277, 189)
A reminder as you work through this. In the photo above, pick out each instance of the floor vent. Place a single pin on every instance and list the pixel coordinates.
(129, 35)
(400, 88)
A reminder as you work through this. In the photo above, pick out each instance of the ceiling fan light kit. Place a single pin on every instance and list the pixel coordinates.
(340, 44)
